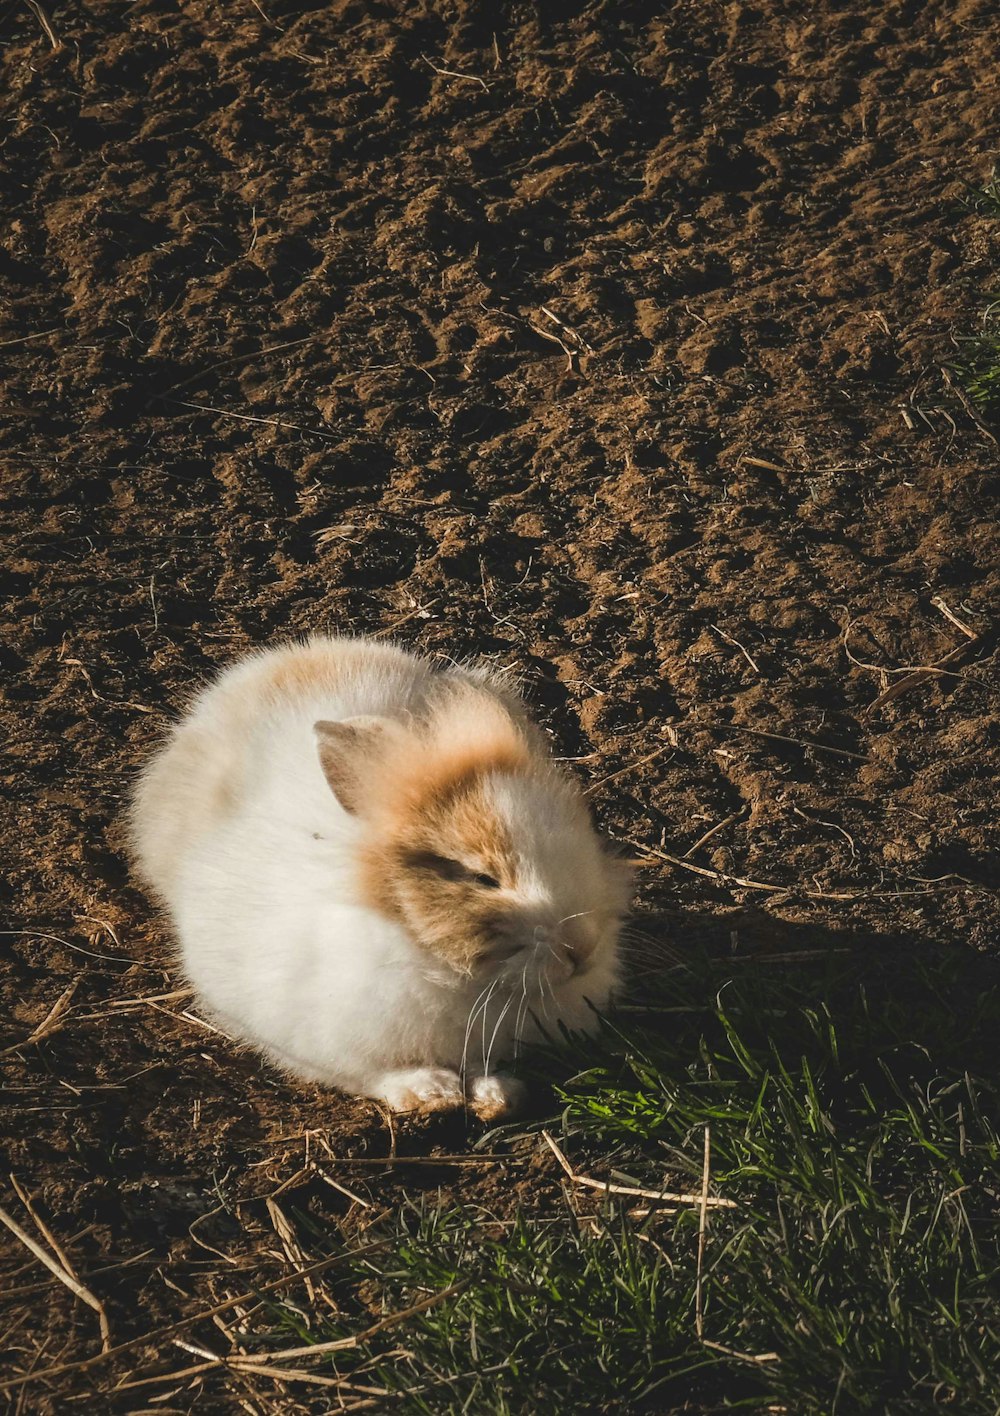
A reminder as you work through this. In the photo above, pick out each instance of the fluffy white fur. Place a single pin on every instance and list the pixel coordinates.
(237, 830)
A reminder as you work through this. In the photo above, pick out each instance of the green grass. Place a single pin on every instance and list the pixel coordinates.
(978, 362)
(985, 199)
(852, 1111)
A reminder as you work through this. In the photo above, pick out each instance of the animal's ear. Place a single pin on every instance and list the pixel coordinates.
(349, 751)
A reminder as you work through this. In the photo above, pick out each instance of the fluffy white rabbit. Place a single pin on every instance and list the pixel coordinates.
(377, 875)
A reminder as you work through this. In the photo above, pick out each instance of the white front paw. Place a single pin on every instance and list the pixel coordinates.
(421, 1089)
(493, 1098)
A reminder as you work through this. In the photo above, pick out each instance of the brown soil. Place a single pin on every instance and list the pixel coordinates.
(604, 340)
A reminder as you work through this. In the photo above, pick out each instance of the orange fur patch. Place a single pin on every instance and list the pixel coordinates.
(446, 772)
(303, 669)
(439, 808)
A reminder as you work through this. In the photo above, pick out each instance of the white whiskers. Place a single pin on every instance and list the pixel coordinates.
(543, 979)
(522, 1012)
(488, 1053)
(481, 1003)
(579, 915)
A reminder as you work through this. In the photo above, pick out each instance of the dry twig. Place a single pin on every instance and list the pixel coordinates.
(737, 645)
(43, 1228)
(714, 831)
(64, 1277)
(50, 1024)
(790, 889)
(343, 1344)
(939, 603)
(85, 1363)
(26, 338)
(715, 874)
(570, 351)
(781, 737)
(243, 358)
(568, 329)
(913, 674)
(248, 418)
(43, 20)
(742, 1356)
(629, 767)
(290, 1244)
(607, 1187)
(918, 676)
(257, 1364)
(763, 462)
(453, 74)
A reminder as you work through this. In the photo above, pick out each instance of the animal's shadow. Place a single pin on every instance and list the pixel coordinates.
(849, 999)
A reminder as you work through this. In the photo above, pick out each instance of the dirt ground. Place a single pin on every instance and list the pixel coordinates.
(604, 340)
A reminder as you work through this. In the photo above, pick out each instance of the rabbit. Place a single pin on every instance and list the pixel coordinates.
(377, 875)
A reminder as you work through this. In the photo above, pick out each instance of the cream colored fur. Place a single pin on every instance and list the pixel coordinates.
(376, 875)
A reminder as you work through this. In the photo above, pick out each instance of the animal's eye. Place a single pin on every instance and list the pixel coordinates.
(440, 865)
(448, 869)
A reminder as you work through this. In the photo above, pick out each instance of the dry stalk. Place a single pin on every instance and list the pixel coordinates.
(453, 74)
(781, 737)
(607, 1187)
(258, 1364)
(918, 676)
(248, 418)
(290, 1244)
(939, 603)
(43, 20)
(629, 767)
(743, 1356)
(714, 831)
(836, 895)
(737, 645)
(50, 1024)
(85, 1363)
(344, 1344)
(64, 1277)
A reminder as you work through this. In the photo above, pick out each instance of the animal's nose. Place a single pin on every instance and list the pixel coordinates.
(558, 949)
(571, 949)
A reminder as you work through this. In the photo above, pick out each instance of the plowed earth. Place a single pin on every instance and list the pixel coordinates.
(604, 340)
